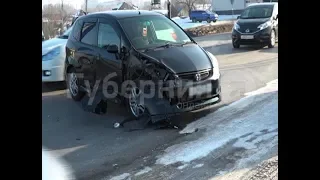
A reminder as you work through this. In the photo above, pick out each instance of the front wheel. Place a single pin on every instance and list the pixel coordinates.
(73, 85)
(135, 103)
(272, 39)
(235, 45)
(209, 20)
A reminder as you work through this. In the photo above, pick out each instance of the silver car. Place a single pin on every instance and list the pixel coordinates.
(53, 58)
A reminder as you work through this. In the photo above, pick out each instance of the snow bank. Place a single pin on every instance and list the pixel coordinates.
(187, 23)
(254, 114)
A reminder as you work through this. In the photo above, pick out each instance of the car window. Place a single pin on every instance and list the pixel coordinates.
(88, 35)
(152, 31)
(77, 30)
(107, 35)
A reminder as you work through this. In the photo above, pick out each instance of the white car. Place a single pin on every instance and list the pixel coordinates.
(53, 58)
(54, 168)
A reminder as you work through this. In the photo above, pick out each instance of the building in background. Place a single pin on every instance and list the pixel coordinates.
(100, 5)
(224, 7)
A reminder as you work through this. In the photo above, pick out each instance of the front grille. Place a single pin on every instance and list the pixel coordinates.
(204, 74)
(251, 30)
(251, 27)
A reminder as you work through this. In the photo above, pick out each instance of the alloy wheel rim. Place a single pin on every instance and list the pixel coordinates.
(136, 106)
(73, 84)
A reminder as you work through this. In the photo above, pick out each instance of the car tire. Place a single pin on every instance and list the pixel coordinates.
(235, 45)
(194, 20)
(73, 85)
(272, 42)
(209, 20)
(133, 104)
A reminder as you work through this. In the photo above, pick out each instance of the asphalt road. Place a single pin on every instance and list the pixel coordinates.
(93, 148)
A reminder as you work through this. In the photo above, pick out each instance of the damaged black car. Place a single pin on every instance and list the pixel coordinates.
(141, 59)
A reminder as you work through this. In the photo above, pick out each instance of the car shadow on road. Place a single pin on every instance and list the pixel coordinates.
(269, 50)
(53, 86)
(224, 49)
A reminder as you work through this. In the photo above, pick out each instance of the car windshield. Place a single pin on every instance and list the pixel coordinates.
(209, 12)
(153, 31)
(260, 11)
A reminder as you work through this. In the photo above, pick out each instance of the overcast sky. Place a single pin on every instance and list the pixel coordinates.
(77, 3)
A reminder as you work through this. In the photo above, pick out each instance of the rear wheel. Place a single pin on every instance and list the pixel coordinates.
(73, 85)
(194, 20)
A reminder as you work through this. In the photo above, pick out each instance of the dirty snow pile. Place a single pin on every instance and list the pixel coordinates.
(253, 117)
(186, 23)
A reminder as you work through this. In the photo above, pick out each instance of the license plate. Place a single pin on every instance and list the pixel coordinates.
(246, 36)
(200, 89)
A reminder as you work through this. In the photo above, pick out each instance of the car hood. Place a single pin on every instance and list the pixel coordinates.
(49, 44)
(252, 22)
(182, 59)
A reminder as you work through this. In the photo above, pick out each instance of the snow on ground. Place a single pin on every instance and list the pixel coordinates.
(198, 166)
(187, 23)
(256, 115)
(121, 177)
(182, 166)
(143, 171)
(227, 17)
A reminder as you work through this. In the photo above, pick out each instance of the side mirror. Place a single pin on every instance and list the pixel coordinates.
(238, 17)
(113, 48)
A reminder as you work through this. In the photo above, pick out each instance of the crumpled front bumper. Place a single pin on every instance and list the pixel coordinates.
(162, 107)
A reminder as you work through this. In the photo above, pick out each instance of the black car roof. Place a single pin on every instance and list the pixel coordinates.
(120, 14)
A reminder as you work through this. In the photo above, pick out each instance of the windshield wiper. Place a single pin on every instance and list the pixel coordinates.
(255, 17)
(64, 36)
(189, 42)
(167, 45)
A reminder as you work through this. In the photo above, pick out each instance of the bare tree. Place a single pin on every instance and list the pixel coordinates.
(204, 2)
(189, 4)
(54, 16)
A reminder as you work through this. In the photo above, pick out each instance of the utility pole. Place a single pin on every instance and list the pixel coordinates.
(169, 9)
(86, 6)
(62, 18)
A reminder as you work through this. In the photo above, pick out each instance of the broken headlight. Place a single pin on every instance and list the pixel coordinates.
(156, 72)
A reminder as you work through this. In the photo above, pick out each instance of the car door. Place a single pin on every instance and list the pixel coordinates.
(204, 15)
(109, 66)
(87, 52)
